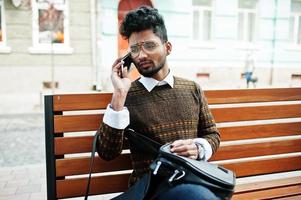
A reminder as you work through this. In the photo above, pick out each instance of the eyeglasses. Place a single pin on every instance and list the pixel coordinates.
(148, 47)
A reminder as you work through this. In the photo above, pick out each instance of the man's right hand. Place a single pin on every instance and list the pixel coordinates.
(121, 85)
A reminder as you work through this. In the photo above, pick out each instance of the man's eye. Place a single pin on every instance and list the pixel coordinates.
(134, 49)
(149, 45)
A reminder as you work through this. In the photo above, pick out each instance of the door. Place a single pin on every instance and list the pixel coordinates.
(123, 8)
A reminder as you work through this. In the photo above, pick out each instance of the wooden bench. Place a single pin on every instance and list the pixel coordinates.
(260, 132)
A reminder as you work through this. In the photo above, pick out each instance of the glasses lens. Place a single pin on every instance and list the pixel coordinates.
(149, 46)
(134, 50)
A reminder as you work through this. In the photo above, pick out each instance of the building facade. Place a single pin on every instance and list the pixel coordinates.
(213, 42)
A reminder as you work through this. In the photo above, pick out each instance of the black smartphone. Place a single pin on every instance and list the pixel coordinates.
(127, 59)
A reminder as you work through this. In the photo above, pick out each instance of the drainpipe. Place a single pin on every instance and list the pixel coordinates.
(273, 41)
(94, 71)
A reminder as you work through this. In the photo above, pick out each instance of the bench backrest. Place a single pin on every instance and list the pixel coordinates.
(260, 132)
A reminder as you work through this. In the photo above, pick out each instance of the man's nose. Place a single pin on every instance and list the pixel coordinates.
(142, 53)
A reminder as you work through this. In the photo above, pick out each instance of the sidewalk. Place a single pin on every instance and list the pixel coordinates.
(22, 143)
(23, 183)
(20, 103)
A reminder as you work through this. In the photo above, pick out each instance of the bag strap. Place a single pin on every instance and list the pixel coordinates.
(91, 163)
(139, 140)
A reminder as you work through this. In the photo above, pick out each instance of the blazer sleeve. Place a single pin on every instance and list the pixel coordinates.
(207, 128)
(110, 142)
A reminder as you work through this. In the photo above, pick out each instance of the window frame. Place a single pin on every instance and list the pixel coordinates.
(246, 31)
(49, 48)
(3, 44)
(201, 9)
(296, 28)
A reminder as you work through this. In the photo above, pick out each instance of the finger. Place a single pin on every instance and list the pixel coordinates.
(188, 141)
(177, 143)
(116, 70)
(125, 72)
(184, 148)
(190, 154)
(116, 62)
(182, 142)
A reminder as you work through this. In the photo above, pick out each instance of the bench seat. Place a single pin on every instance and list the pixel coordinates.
(260, 134)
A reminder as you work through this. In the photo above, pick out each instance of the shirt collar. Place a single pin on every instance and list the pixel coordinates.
(150, 83)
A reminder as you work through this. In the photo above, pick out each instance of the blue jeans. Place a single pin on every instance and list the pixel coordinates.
(188, 191)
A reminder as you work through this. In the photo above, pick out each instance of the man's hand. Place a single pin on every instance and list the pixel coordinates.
(121, 85)
(185, 148)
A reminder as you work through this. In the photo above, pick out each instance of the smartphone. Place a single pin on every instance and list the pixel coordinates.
(127, 59)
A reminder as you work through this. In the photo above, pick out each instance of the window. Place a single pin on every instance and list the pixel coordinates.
(3, 47)
(247, 20)
(295, 22)
(50, 27)
(202, 20)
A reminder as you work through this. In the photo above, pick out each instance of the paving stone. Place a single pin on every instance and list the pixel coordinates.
(44, 188)
(37, 181)
(2, 184)
(16, 197)
(27, 176)
(5, 172)
(38, 196)
(8, 191)
(16, 183)
(28, 189)
(7, 177)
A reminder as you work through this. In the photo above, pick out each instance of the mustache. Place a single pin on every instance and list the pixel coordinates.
(144, 61)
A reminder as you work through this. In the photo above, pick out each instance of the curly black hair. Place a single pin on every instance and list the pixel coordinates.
(141, 19)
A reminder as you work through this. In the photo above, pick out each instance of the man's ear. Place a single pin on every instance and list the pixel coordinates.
(168, 47)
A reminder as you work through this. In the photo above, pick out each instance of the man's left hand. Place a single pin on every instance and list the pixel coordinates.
(185, 148)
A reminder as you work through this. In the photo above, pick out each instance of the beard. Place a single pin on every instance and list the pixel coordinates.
(151, 70)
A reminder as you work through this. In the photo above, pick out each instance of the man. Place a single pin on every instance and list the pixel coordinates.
(162, 107)
(249, 70)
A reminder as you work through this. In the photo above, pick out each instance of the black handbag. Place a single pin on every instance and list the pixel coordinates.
(178, 169)
(169, 169)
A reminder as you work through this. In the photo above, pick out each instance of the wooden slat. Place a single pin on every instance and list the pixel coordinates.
(69, 145)
(99, 185)
(258, 185)
(69, 102)
(257, 149)
(291, 197)
(253, 95)
(260, 131)
(256, 113)
(77, 166)
(269, 193)
(74, 123)
(266, 166)
(109, 184)
(80, 144)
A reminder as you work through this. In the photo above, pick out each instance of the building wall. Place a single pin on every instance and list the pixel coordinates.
(223, 59)
(22, 71)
